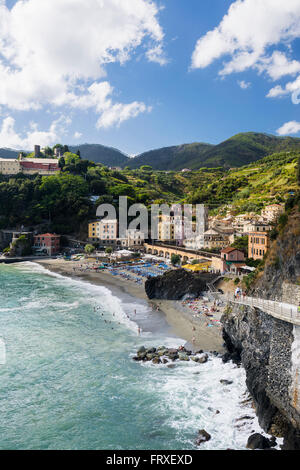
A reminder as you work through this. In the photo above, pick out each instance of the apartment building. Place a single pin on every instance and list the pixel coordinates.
(103, 231)
(258, 244)
(272, 212)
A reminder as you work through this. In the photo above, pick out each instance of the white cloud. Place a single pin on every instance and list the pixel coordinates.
(292, 127)
(278, 65)
(246, 41)
(247, 44)
(292, 88)
(244, 85)
(156, 54)
(10, 138)
(118, 113)
(77, 135)
(55, 52)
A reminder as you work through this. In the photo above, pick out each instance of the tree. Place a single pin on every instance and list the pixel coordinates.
(89, 249)
(109, 250)
(61, 162)
(241, 243)
(48, 151)
(146, 168)
(175, 260)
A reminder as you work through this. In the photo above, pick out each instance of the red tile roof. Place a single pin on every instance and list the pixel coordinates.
(48, 235)
(230, 249)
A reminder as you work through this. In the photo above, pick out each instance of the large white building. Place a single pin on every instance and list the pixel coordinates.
(9, 166)
(29, 166)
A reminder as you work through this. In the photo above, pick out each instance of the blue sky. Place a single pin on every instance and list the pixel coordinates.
(135, 87)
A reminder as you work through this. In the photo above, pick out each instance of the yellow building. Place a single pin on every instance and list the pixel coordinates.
(104, 231)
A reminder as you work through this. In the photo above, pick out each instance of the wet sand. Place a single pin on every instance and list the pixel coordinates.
(181, 319)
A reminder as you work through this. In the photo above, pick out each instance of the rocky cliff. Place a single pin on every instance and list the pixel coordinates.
(268, 348)
(176, 284)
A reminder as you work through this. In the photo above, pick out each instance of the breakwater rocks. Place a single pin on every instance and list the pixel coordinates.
(163, 355)
(176, 284)
(264, 346)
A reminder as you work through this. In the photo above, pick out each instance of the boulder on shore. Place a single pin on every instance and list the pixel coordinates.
(258, 441)
(203, 436)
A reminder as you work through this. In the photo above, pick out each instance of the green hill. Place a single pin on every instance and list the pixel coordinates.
(8, 153)
(239, 150)
(171, 158)
(97, 153)
(246, 148)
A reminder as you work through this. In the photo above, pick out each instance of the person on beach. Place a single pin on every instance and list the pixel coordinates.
(139, 331)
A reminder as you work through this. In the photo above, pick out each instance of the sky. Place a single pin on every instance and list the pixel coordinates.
(142, 74)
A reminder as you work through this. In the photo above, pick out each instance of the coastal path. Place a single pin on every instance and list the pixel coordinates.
(280, 310)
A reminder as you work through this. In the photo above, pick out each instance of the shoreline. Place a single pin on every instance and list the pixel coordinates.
(178, 317)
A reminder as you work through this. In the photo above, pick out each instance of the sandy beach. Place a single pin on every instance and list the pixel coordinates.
(199, 331)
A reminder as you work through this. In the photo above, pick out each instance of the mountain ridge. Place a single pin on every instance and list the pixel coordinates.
(239, 150)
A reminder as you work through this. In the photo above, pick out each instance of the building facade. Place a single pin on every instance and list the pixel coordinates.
(272, 212)
(9, 166)
(103, 231)
(258, 244)
(231, 260)
(47, 242)
(29, 166)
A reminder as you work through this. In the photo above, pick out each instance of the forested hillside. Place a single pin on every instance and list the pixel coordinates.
(66, 201)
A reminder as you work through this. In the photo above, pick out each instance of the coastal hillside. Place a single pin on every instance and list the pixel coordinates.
(97, 153)
(172, 158)
(68, 199)
(237, 151)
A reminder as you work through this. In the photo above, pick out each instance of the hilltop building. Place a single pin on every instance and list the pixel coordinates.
(9, 166)
(29, 166)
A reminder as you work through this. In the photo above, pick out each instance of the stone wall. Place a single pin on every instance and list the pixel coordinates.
(290, 293)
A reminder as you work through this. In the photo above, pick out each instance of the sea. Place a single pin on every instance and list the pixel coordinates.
(68, 380)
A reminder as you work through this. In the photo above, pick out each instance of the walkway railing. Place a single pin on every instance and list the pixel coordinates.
(280, 310)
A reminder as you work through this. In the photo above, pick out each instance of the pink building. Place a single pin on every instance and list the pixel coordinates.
(232, 255)
(49, 242)
(232, 260)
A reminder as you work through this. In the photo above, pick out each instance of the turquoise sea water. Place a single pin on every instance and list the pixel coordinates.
(69, 381)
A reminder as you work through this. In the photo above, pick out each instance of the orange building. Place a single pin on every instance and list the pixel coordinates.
(258, 244)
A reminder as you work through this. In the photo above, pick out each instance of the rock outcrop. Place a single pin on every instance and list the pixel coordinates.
(176, 284)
